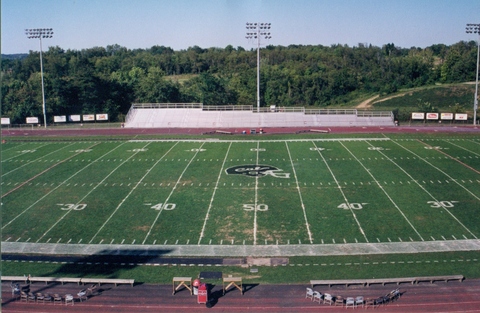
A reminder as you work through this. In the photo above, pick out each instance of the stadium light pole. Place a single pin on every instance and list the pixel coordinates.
(33, 33)
(258, 31)
(475, 29)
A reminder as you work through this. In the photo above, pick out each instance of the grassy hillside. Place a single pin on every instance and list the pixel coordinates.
(442, 97)
(454, 98)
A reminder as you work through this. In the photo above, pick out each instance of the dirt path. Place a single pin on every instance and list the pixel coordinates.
(367, 104)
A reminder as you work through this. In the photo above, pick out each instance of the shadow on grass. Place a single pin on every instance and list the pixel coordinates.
(107, 263)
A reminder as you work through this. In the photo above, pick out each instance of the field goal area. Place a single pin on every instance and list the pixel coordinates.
(242, 193)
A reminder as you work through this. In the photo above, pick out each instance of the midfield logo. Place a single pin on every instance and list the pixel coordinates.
(257, 170)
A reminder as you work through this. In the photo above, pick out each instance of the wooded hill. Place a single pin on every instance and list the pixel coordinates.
(108, 80)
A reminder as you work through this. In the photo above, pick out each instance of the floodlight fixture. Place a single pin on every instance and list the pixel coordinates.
(259, 32)
(475, 29)
(39, 33)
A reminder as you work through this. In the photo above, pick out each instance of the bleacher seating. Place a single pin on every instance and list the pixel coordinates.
(188, 116)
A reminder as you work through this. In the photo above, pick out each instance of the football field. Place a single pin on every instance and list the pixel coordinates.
(321, 191)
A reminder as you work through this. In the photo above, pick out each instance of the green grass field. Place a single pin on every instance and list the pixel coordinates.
(234, 192)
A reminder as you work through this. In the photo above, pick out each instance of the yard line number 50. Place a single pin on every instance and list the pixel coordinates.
(253, 207)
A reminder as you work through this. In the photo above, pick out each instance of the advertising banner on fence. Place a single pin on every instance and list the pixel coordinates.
(88, 117)
(102, 117)
(74, 118)
(32, 120)
(418, 116)
(5, 121)
(432, 116)
(60, 119)
(461, 116)
(446, 116)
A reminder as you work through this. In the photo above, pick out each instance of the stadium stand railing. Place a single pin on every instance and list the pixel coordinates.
(167, 105)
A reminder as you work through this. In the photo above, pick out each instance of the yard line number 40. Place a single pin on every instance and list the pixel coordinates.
(353, 206)
(162, 206)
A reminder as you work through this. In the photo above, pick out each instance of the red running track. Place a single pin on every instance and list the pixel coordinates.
(425, 297)
(62, 132)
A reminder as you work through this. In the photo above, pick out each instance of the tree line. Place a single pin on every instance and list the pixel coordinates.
(109, 79)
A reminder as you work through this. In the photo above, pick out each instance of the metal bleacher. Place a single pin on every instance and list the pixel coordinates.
(195, 115)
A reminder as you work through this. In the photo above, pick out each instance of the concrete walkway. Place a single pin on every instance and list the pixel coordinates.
(242, 251)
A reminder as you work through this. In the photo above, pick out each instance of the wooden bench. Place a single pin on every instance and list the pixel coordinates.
(179, 282)
(232, 282)
(345, 282)
(15, 278)
(383, 281)
(70, 280)
(433, 279)
(62, 280)
(397, 280)
(101, 281)
(46, 280)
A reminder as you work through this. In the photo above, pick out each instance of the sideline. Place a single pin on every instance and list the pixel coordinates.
(242, 250)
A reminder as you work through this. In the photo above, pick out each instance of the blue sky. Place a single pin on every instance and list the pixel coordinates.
(179, 24)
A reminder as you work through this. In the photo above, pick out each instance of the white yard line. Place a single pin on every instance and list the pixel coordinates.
(171, 192)
(128, 195)
(384, 191)
(441, 171)
(21, 154)
(213, 195)
(451, 178)
(476, 142)
(42, 157)
(300, 195)
(256, 201)
(59, 185)
(462, 148)
(88, 193)
(341, 191)
(13, 147)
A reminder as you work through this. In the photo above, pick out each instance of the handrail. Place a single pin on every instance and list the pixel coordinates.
(167, 105)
